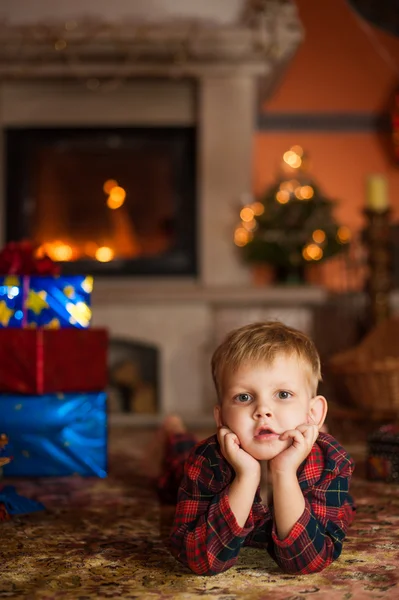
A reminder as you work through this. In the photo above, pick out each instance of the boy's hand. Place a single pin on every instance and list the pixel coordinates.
(242, 462)
(303, 438)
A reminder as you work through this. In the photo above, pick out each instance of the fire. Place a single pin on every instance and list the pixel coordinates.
(104, 254)
(58, 251)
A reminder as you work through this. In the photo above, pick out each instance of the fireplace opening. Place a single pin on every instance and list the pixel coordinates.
(133, 377)
(109, 201)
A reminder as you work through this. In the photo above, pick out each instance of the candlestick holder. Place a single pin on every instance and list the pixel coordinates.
(377, 239)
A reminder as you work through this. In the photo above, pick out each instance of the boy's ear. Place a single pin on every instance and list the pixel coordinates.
(318, 410)
(217, 413)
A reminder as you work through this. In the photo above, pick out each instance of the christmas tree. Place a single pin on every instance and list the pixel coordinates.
(291, 224)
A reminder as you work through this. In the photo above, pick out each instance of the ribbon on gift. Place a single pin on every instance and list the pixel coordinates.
(20, 258)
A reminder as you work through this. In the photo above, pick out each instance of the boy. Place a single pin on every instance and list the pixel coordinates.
(269, 478)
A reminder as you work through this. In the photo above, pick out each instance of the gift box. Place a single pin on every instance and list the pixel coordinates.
(383, 454)
(34, 294)
(40, 361)
(50, 301)
(56, 434)
(4, 448)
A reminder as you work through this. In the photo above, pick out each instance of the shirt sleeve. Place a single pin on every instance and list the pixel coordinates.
(317, 537)
(205, 535)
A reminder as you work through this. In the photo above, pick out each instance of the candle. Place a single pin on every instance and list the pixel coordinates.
(377, 193)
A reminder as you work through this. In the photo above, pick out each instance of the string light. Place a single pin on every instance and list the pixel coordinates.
(247, 214)
(283, 196)
(292, 159)
(298, 150)
(298, 193)
(344, 234)
(250, 225)
(307, 192)
(258, 208)
(242, 237)
(319, 236)
(312, 252)
(287, 186)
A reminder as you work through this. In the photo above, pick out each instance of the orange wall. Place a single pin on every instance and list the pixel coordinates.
(337, 69)
(340, 164)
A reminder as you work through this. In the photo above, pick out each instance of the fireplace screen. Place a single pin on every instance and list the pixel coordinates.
(106, 201)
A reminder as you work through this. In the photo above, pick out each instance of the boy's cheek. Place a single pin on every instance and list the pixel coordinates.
(227, 422)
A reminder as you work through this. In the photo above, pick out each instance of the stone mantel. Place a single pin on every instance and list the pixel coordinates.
(122, 292)
(260, 41)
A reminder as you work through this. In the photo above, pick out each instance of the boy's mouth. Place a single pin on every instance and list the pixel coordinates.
(266, 433)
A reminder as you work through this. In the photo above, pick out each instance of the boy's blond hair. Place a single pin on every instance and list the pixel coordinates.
(262, 342)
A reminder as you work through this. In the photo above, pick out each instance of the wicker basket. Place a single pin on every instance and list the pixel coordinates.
(370, 371)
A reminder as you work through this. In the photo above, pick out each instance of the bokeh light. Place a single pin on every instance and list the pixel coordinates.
(104, 254)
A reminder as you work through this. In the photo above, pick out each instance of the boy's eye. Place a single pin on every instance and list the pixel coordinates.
(284, 395)
(244, 398)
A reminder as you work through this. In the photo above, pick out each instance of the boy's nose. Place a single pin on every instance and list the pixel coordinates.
(263, 411)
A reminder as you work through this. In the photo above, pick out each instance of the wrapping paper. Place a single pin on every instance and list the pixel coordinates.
(5, 455)
(56, 434)
(14, 504)
(45, 301)
(39, 361)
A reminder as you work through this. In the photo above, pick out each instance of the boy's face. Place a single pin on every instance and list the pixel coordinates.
(261, 401)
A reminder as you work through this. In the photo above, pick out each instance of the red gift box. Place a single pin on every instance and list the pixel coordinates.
(41, 361)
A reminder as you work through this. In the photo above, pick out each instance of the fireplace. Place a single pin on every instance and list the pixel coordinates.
(198, 71)
(105, 200)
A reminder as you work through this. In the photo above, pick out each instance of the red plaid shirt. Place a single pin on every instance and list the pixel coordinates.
(207, 538)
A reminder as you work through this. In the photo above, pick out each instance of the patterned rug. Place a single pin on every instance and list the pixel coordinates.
(105, 539)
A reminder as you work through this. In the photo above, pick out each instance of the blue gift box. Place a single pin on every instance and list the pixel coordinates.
(56, 434)
(49, 301)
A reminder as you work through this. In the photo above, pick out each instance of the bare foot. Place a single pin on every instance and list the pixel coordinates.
(173, 424)
(154, 451)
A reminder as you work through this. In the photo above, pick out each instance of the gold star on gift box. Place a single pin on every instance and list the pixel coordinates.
(5, 313)
(53, 324)
(11, 281)
(36, 301)
(87, 284)
(69, 291)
